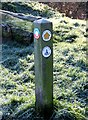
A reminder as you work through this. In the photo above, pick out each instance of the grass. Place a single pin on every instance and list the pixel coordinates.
(17, 83)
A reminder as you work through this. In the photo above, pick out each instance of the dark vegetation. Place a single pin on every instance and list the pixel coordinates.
(75, 10)
(17, 83)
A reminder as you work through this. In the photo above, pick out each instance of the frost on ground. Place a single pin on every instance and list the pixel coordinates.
(17, 83)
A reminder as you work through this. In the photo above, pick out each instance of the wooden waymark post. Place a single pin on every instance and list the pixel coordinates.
(43, 48)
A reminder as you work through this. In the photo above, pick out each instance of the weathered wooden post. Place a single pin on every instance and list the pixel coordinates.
(43, 50)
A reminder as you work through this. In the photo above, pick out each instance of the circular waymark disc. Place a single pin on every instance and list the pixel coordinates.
(46, 35)
(36, 33)
(46, 52)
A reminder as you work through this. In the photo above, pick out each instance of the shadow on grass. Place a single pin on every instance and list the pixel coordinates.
(12, 51)
(79, 63)
(25, 114)
(30, 114)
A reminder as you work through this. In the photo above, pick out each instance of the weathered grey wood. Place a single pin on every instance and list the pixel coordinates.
(20, 15)
(43, 70)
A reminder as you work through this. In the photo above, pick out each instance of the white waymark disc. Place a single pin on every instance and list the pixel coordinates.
(46, 35)
(46, 52)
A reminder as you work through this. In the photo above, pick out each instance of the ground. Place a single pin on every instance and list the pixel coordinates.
(70, 67)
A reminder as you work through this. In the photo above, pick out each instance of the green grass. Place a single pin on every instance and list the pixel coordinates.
(17, 77)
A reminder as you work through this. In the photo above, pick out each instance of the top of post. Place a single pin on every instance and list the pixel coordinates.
(42, 20)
